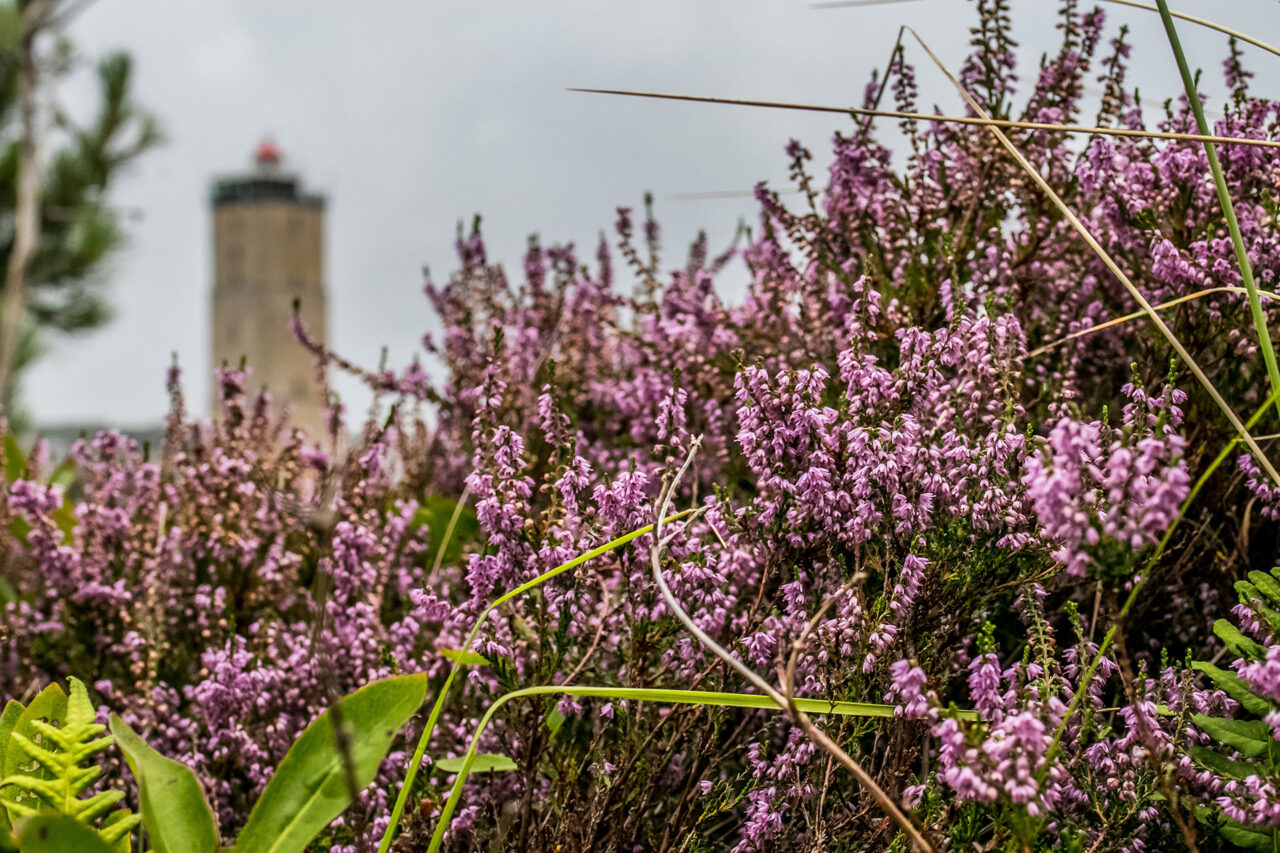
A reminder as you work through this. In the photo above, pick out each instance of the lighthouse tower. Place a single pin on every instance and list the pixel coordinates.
(268, 251)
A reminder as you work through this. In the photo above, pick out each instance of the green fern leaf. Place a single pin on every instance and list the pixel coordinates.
(1268, 585)
(47, 763)
(1250, 738)
(1238, 642)
(1235, 687)
(116, 828)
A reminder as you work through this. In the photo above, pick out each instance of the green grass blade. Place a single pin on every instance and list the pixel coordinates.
(1224, 199)
(640, 694)
(1103, 255)
(420, 750)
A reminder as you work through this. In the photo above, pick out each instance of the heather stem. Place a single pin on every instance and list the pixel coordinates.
(1089, 670)
(787, 704)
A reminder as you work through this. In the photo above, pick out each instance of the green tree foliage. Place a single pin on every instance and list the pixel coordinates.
(78, 229)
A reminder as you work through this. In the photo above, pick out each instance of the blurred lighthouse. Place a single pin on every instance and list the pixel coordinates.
(268, 250)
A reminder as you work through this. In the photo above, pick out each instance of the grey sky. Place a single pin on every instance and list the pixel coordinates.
(411, 115)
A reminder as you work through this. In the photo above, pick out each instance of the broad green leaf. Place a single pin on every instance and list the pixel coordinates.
(64, 475)
(1248, 838)
(1235, 687)
(464, 658)
(1250, 738)
(58, 834)
(310, 787)
(1238, 642)
(12, 712)
(482, 762)
(1267, 585)
(49, 706)
(8, 594)
(437, 513)
(174, 809)
(15, 461)
(554, 720)
(1222, 765)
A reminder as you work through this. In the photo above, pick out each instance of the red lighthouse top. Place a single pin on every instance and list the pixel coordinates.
(267, 153)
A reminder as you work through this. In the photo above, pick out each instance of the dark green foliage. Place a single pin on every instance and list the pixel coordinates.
(1243, 746)
(78, 228)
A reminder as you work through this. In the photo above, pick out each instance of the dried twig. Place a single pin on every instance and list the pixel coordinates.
(784, 703)
(1105, 256)
(981, 120)
(1137, 315)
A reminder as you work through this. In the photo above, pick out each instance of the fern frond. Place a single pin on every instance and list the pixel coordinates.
(96, 806)
(116, 827)
(49, 768)
(1245, 745)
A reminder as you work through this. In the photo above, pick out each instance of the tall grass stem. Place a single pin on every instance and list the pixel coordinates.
(1224, 199)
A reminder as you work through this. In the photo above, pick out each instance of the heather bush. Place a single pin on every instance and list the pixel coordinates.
(926, 476)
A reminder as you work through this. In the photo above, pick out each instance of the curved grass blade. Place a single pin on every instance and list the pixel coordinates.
(641, 694)
(1203, 22)
(406, 786)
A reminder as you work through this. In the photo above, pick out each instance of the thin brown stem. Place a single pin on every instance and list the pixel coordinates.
(981, 120)
(1203, 22)
(784, 703)
(1106, 258)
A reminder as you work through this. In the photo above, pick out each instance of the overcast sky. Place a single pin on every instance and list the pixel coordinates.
(412, 115)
